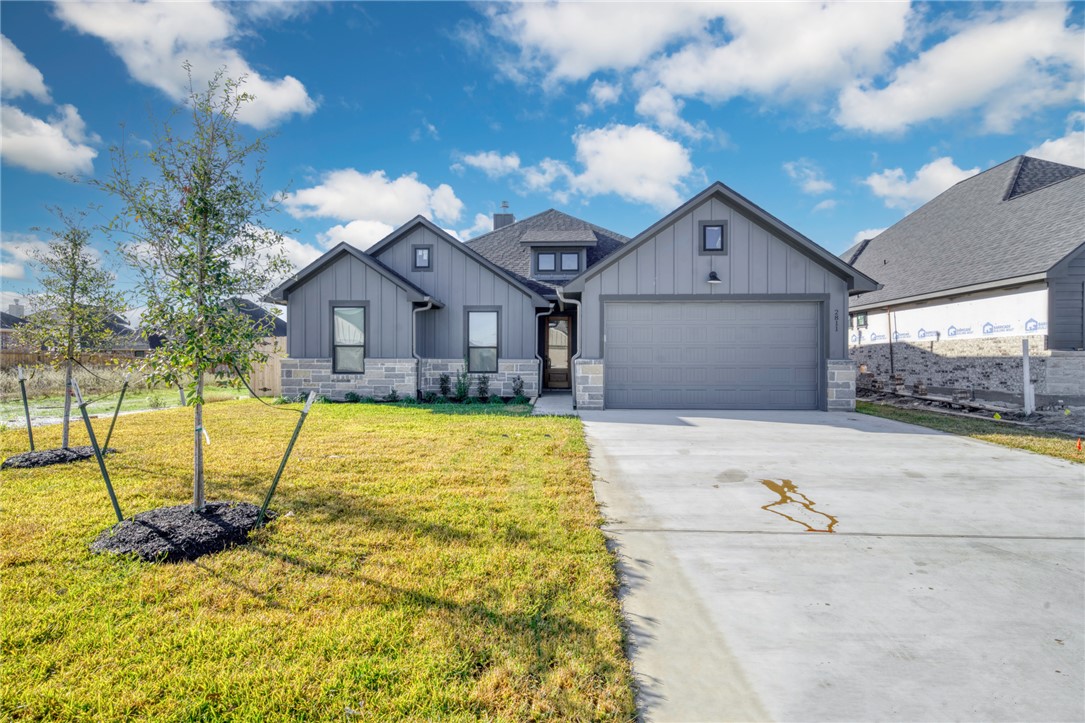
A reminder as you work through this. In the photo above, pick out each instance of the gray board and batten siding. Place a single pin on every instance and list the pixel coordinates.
(1066, 303)
(759, 266)
(460, 278)
(349, 280)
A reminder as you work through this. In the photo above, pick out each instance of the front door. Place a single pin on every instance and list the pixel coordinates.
(557, 374)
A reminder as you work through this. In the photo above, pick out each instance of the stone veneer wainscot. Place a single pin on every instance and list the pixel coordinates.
(588, 378)
(299, 376)
(841, 385)
(500, 381)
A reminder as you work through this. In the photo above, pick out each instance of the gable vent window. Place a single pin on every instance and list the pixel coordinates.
(570, 262)
(482, 341)
(348, 339)
(713, 237)
(423, 258)
(548, 262)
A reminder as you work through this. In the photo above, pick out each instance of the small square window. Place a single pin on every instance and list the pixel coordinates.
(712, 239)
(570, 262)
(423, 258)
(547, 262)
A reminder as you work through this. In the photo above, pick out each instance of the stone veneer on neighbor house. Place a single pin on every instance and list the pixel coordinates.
(989, 367)
(500, 381)
(299, 376)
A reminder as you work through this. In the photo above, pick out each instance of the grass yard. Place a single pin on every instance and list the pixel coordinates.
(424, 566)
(1008, 435)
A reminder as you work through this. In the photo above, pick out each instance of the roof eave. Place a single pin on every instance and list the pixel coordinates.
(956, 291)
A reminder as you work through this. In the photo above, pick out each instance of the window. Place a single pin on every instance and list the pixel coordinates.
(570, 262)
(423, 258)
(860, 320)
(482, 341)
(348, 339)
(548, 262)
(713, 237)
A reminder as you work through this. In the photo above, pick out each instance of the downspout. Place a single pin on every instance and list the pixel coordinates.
(538, 352)
(414, 347)
(574, 357)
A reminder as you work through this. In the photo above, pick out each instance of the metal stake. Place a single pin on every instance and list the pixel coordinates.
(97, 451)
(26, 408)
(282, 465)
(117, 410)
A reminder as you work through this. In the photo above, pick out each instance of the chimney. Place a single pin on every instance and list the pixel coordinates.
(16, 309)
(501, 220)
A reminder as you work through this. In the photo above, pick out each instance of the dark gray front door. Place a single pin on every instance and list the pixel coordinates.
(712, 355)
(557, 352)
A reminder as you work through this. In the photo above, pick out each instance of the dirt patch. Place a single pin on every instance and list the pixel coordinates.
(175, 534)
(1062, 420)
(46, 457)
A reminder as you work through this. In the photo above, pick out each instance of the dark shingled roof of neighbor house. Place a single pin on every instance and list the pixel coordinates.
(1017, 219)
(504, 246)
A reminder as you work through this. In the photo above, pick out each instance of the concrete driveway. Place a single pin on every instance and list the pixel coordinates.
(952, 586)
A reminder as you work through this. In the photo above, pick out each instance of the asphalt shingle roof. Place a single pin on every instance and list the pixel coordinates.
(504, 248)
(1019, 218)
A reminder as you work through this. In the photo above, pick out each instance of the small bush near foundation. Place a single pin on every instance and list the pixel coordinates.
(482, 386)
(430, 397)
(445, 382)
(409, 401)
(463, 385)
(520, 399)
(393, 396)
(517, 386)
(352, 397)
(368, 400)
(495, 399)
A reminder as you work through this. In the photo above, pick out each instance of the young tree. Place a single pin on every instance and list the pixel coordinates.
(76, 301)
(194, 236)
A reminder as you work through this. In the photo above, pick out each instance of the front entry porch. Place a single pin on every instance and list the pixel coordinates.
(557, 342)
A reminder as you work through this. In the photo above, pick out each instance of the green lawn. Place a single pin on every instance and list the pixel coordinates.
(12, 413)
(1008, 435)
(424, 566)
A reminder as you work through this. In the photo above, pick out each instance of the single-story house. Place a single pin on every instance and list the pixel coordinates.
(717, 305)
(994, 260)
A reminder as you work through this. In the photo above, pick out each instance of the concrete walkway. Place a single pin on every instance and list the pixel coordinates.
(951, 588)
(555, 404)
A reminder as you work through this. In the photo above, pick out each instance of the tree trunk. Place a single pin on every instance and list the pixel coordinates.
(67, 402)
(197, 457)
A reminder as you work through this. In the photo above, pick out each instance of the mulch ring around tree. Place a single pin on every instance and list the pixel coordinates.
(46, 457)
(175, 534)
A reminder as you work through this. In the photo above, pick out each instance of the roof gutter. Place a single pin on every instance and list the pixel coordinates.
(572, 360)
(948, 293)
(414, 345)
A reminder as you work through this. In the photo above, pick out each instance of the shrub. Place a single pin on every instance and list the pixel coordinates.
(430, 397)
(463, 385)
(352, 397)
(517, 386)
(155, 401)
(520, 399)
(445, 383)
(408, 400)
(482, 385)
(496, 399)
(368, 400)
(393, 396)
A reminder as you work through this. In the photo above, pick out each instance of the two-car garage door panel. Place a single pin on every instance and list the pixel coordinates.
(723, 355)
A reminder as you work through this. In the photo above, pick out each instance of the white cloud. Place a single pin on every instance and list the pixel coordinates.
(604, 94)
(16, 251)
(349, 195)
(827, 205)
(633, 162)
(543, 175)
(299, 254)
(893, 186)
(782, 50)
(18, 76)
(808, 175)
(570, 41)
(483, 224)
(1005, 66)
(56, 145)
(664, 110)
(155, 39)
(492, 163)
(361, 234)
(1070, 149)
(866, 233)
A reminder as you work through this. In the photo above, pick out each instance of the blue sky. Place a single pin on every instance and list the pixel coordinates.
(837, 118)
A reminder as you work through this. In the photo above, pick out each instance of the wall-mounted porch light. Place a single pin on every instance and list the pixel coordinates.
(714, 278)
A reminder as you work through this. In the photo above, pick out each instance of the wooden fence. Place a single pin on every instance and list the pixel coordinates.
(266, 379)
(10, 359)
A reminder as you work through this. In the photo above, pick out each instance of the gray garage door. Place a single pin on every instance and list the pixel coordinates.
(712, 355)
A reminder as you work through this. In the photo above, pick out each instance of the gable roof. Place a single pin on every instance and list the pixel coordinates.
(1011, 223)
(529, 289)
(10, 321)
(279, 294)
(857, 281)
(260, 315)
(510, 246)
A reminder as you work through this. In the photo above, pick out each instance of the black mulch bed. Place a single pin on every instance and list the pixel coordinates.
(175, 534)
(46, 457)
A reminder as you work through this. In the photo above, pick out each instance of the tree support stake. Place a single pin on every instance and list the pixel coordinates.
(282, 465)
(97, 451)
(116, 411)
(26, 408)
